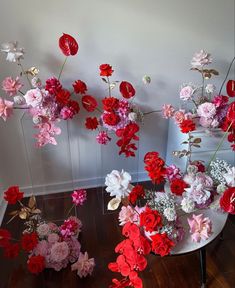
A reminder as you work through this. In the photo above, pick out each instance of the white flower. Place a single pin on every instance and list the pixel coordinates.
(37, 119)
(200, 59)
(187, 205)
(221, 188)
(186, 92)
(19, 100)
(118, 183)
(33, 97)
(146, 79)
(170, 213)
(210, 88)
(230, 177)
(13, 52)
(36, 82)
(132, 116)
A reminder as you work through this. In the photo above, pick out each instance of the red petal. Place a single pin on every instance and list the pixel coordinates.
(230, 87)
(126, 89)
(68, 45)
(89, 103)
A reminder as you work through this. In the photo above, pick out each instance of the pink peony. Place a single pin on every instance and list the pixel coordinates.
(200, 228)
(186, 92)
(74, 248)
(6, 108)
(200, 59)
(59, 251)
(11, 86)
(168, 111)
(103, 138)
(79, 196)
(84, 265)
(33, 97)
(127, 214)
(207, 110)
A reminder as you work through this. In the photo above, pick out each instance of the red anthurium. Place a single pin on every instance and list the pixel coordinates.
(227, 201)
(126, 89)
(231, 112)
(89, 103)
(230, 87)
(68, 45)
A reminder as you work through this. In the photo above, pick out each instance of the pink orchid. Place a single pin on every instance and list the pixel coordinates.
(200, 228)
(84, 265)
(11, 86)
(6, 108)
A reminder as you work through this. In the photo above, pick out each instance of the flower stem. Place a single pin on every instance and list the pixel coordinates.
(109, 86)
(230, 66)
(24, 73)
(70, 210)
(62, 68)
(154, 111)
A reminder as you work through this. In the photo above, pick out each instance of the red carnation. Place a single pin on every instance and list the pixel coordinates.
(177, 186)
(106, 70)
(79, 87)
(5, 237)
(150, 219)
(230, 87)
(91, 123)
(111, 119)
(11, 250)
(62, 97)
(110, 104)
(53, 86)
(155, 166)
(136, 193)
(200, 166)
(13, 194)
(89, 103)
(29, 241)
(161, 244)
(36, 264)
(68, 45)
(227, 201)
(126, 89)
(187, 125)
(150, 157)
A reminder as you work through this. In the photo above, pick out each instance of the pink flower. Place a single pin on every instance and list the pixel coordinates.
(103, 138)
(6, 108)
(179, 116)
(79, 196)
(220, 101)
(66, 113)
(11, 86)
(53, 85)
(127, 214)
(59, 251)
(84, 265)
(200, 59)
(53, 227)
(200, 228)
(33, 97)
(168, 111)
(207, 110)
(186, 92)
(52, 238)
(43, 230)
(173, 172)
(46, 132)
(74, 248)
(70, 227)
(42, 248)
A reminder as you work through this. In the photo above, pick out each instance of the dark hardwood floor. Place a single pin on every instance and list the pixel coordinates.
(100, 234)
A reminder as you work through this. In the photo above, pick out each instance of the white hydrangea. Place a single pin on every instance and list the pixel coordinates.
(187, 205)
(221, 188)
(170, 213)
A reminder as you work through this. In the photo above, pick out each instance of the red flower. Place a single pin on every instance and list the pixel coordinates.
(91, 123)
(62, 97)
(161, 244)
(106, 70)
(135, 260)
(155, 166)
(123, 246)
(11, 250)
(111, 119)
(89, 103)
(142, 245)
(230, 87)
(150, 157)
(36, 264)
(135, 281)
(231, 137)
(53, 86)
(29, 241)
(150, 219)
(13, 194)
(227, 201)
(119, 283)
(201, 167)
(5, 236)
(120, 266)
(131, 230)
(79, 87)
(110, 104)
(231, 112)
(68, 45)
(73, 106)
(136, 193)
(187, 125)
(126, 89)
(177, 186)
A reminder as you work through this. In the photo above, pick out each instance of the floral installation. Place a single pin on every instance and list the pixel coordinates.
(46, 244)
(205, 107)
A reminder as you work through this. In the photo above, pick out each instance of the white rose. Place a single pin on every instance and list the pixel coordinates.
(13, 52)
(118, 183)
(186, 92)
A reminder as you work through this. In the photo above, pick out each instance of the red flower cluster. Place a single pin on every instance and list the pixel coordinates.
(106, 70)
(53, 86)
(63, 96)
(29, 241)
(161, 244)
(187, 125)
(227, 201)
(91, 123)
(13, 194)
(36, 264)
(79, 87)
(155, 166)
(150, 219)
(177, 186)
(136, 193)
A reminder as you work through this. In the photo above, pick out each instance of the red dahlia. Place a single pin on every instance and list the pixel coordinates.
(36, 264)
(106, 70)
(79, 87)
(73, 106)
(29, 241)
(111, 118)
(177, 186)
(187, 125)
(53, 85)
(91, 123)
(13, 194)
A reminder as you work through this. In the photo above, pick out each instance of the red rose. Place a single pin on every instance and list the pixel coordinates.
(136, 193)
(111, 119)
(13, 194)
(11, 250)
(150, 219)
(91, 123)
(62, 97)
(126, 89)
(5, 236)
(177, 186)
(230, 87)
(110, 104)
(29, 241)
(187, 125)
(36, 264)
(161, 244)
(155, 166)
(227, 201)
(74, 106)
(106, 70)
(68, 45)
(79, 87)
(89, 103)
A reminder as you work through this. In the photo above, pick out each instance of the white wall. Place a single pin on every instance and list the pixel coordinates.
(137, 37)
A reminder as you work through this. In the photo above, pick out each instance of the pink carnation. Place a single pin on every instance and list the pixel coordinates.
(59, 251)
(53, 85)
(84, 265)
(200, 228)
(103, 138)
(167, 111)
(6, 108)
(173, 172)
(79, 196)
(66, 113)
(179, 116)
(207, 110)
(70, 227)
(11, 86)
(186, 92)
(127, 214)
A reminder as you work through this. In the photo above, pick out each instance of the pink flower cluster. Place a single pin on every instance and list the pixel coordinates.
(79, 196)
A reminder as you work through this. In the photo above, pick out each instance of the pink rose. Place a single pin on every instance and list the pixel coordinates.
(179, 116)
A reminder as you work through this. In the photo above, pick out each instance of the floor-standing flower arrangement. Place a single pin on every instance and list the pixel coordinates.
(46, 244)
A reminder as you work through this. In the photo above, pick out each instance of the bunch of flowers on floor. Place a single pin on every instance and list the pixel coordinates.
(202, 105)
(46, 244)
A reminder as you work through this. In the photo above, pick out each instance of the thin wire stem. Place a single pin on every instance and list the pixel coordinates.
(230, 66)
